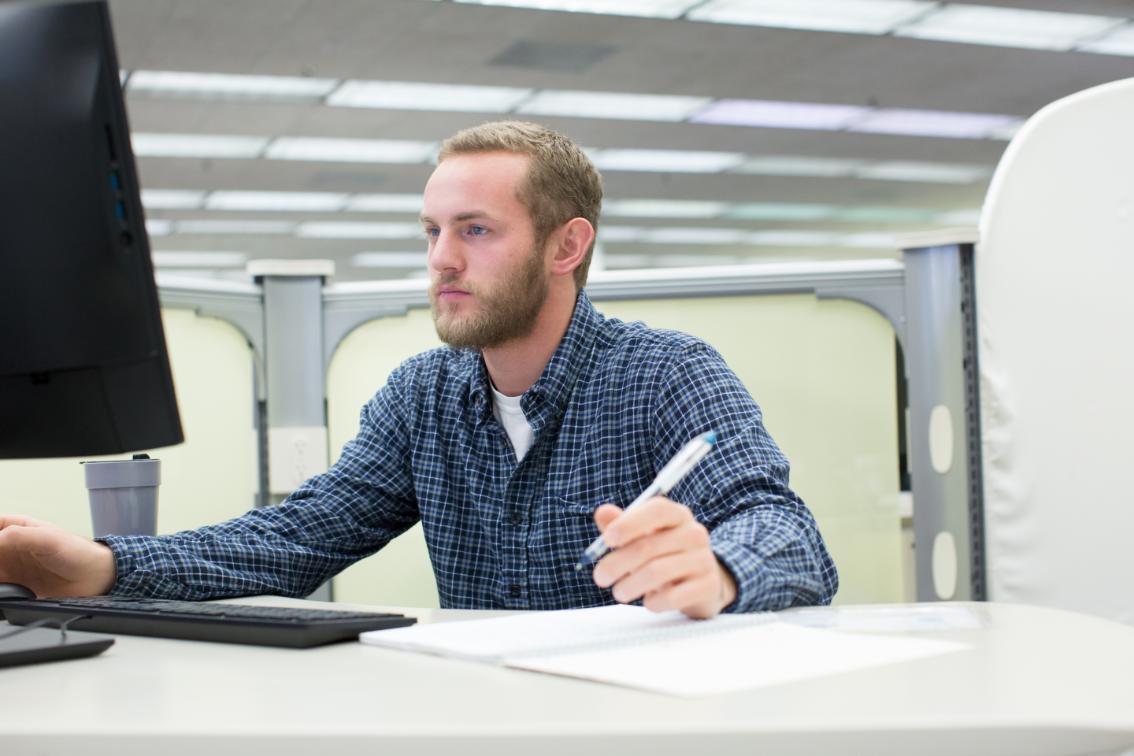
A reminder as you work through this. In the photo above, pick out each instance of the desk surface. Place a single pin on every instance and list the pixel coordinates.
(1036, 681)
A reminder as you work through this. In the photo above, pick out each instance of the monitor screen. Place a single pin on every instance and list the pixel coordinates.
(83, 363)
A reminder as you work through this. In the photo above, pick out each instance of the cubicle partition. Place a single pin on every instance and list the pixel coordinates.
(832, 351)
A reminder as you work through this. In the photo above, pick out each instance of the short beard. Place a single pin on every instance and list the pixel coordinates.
(508, 311)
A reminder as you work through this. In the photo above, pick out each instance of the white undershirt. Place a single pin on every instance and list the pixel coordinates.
(511, 417)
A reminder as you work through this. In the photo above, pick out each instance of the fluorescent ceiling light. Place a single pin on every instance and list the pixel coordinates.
(779, 211)
(207, 274)
(197, 145)
(775, 114)
(885, 215)
(934, 173)
(226, 227)
(792, 238)
(933, 123)
(389, 260)
(959, 218)
(276, 201)
(384, 203)
(647, 208)
(400, 95)
(1006, 132)
(628, 261)
(642, 8)
(345, 230)
(799, 166)
(171, 199)
(868, 241)
(351, 150)
(1008, 27)
(184, 259)
(694, 261)
(1118, 42)
(158, 227)
(695, 236)
(675, 161)
(915, 18)
(620, 233)
(229, 86)
(619, 105)
(861, 16)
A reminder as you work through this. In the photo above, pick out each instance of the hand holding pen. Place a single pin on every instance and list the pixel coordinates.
(662, 555)
(670, 476)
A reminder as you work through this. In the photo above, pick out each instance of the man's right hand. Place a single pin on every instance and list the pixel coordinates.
(51, 561)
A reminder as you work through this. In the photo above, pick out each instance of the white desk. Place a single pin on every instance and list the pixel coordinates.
(1036, 681)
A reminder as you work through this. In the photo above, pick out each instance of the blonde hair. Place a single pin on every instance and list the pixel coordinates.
(562, 183)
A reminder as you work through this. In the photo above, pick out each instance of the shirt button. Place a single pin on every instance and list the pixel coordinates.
(517, 519)
(513, 591)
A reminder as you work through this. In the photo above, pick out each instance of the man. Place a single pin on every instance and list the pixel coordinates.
(503, 443)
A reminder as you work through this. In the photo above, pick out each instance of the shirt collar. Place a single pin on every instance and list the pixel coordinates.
(552, 389)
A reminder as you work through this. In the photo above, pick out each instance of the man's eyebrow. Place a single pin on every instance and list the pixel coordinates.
(469, 215)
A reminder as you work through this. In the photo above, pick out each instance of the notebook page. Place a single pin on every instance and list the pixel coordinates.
(742, 657)
(536, 633)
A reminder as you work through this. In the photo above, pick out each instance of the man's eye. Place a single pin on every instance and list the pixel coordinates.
(432, 232)
(477, 230)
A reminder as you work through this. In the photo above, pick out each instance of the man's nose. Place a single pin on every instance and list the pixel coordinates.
(444, 254)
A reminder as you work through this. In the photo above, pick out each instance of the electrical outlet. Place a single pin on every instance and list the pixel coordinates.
(294, 455)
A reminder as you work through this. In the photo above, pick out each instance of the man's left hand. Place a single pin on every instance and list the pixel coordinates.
(662, 556)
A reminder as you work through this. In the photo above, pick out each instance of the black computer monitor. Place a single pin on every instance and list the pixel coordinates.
(83, 363)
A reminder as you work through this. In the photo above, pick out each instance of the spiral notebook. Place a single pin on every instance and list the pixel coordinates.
(665, 653)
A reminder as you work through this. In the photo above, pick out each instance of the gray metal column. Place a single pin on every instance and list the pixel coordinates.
(944, 426)
(297, 445)
(241, 306)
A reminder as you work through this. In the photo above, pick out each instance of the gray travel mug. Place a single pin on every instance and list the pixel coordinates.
(123, 495)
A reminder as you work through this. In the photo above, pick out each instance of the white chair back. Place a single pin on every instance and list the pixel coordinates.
(1055, 309)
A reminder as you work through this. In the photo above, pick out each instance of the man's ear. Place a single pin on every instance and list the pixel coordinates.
(571, 242)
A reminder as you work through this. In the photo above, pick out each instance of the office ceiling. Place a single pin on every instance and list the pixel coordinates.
(764, 217)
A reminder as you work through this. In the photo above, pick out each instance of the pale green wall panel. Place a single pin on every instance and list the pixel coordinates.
(822, 371)
(400, 574)
(210, 477)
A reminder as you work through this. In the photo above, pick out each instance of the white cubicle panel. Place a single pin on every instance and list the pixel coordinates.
(823, 372)
(1054, 276)
(208, 478)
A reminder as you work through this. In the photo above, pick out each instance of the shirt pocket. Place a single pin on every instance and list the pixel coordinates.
(566, 523)
(564, 527)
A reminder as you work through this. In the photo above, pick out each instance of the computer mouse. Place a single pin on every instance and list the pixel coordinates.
(15, 591)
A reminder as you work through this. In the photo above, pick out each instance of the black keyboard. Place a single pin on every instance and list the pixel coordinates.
(207, 621)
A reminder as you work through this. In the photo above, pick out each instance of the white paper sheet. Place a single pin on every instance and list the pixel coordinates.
(746, 657)
(666, 653)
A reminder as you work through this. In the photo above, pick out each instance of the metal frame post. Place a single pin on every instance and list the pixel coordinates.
(944, 423)
(296, 381)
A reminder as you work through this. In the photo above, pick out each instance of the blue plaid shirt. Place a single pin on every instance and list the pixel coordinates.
(615, 402)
